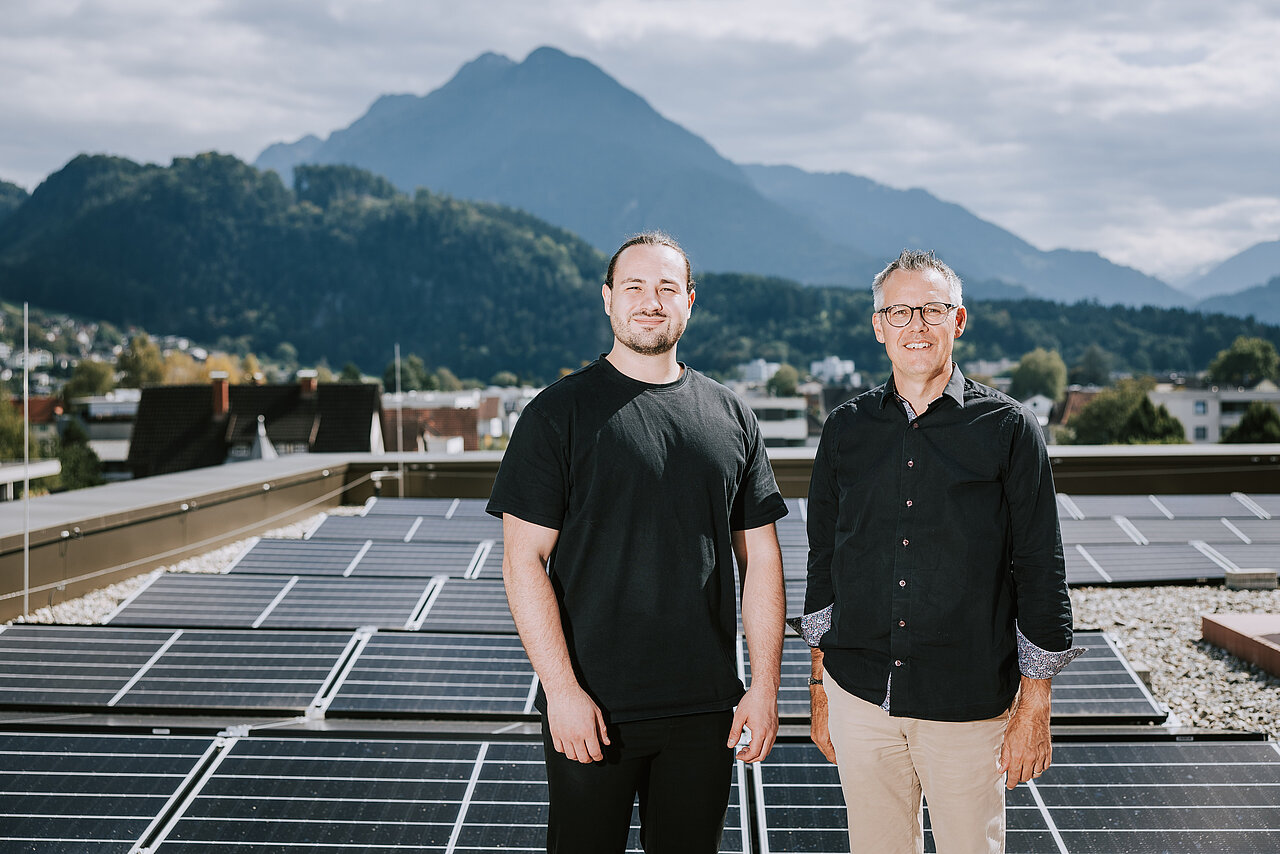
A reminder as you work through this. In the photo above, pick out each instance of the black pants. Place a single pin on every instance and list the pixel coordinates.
(679, 767)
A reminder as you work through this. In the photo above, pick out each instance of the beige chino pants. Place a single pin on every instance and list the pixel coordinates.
(886, 762)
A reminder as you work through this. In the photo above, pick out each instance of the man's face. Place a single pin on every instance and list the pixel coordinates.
(649, 303)
(918, 351)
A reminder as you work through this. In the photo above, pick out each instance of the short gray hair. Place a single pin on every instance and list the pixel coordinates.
(914, 259)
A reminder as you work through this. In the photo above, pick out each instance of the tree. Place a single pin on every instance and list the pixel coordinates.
(446, 380)
(1040, 372)
(351, 374)
(251, 369)
(784, 381)
(1261, 423)
(1148, 424)
(80, 465)
(1102, 420)
(89, 379)
(141, 363)
(1094, 367)
(413, 375)
(223, 363)
(504, 379)
(11, 430)
(1247, 362)
(181, 369)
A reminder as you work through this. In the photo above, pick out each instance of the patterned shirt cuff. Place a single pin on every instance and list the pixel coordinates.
(813, 626)
(1037, 663)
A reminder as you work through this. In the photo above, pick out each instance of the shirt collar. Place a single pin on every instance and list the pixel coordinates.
(954, 389)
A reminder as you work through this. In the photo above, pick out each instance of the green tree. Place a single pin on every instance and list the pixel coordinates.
(1039, 372)
(1093, 368)
(351, 374)
(1148, 424)
(1102, 420)
(89, 378)
(784, 381)
(11, 429)
(446, 380)
(1247, 362)
(141, 363)
(1261, 423)
(413, 375)
(80, 465)
(504, 379)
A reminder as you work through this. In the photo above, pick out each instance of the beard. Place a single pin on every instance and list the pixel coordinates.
(647, 342)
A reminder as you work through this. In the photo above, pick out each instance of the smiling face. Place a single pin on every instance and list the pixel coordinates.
(920, 353)
(649, 303)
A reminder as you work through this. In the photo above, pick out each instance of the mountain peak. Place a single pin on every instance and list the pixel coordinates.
(484, 68)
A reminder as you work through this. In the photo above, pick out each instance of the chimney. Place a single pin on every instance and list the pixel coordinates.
(308, 382)
(221, 393)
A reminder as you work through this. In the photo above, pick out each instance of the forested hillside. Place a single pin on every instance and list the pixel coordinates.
(343, 265)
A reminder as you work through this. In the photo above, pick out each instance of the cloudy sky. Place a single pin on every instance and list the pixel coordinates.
(1147, 131)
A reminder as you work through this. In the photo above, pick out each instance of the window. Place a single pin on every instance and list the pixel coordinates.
(1202, 433)
(1202, 407)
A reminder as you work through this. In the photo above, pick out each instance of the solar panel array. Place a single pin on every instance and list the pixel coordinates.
(401, 614)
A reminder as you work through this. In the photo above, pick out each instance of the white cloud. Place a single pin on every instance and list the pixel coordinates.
(1143, 130)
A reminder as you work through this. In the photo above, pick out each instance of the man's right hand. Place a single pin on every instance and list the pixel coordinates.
(819, 734)
(577, 725)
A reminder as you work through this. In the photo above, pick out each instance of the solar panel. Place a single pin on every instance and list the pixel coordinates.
(460, 558)
(89, 793)
(1094, 799)
(412, 507)
(1241, 556)
(106, 668)
(1106, 506)
(1082, 567)
(60, 665)
(1259, 530)
(393, 527)
(270, 795)
(795, 563)
(436, 675)
(300, 557)
(1093, 531)
(1135, 564)
(1270, 503)
(461, 605)
(252, 601)
(1233, 506)
(1185, 530)
(200, 599)
(1098, 687)
(469, 528)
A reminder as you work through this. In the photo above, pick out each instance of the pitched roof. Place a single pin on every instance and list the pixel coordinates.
(44, 410)
(176, 428)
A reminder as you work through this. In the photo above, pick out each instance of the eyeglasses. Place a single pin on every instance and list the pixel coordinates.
(932, 312)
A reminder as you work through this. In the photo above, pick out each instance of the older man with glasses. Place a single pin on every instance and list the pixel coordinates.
(937, 602)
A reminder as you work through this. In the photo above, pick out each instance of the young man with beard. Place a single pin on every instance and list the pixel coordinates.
(627, 491)
(937, 597)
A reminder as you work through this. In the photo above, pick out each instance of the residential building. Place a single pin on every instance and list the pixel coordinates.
(194, 426)
(783, 421)
(1208, 413)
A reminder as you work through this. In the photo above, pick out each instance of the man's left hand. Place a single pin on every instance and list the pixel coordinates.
(758, 712)
(1027, 749)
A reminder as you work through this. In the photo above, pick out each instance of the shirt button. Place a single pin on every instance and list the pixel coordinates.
(897, 663)
(908, 502)
(902, 623)
(915, 425)
(902, 583)
(906, 542)
(910, 463)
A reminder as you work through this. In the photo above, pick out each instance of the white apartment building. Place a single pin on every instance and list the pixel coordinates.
(1207, 413)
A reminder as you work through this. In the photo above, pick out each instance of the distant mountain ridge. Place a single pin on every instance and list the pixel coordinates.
(1253, 267)
(558, 137)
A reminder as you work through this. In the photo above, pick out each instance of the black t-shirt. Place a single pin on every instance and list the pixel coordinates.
(645, 483)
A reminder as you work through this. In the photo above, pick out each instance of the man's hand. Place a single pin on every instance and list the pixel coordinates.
(758, 712)
(577, 725)
(819, 733)
(1027, 749)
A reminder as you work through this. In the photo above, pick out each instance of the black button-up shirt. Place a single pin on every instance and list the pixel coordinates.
(931, 537)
